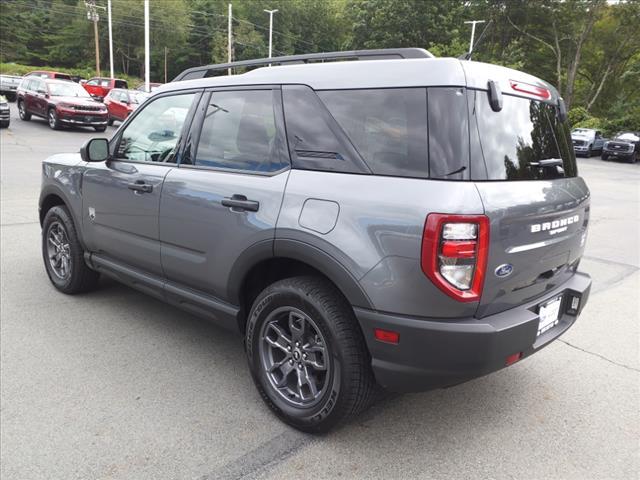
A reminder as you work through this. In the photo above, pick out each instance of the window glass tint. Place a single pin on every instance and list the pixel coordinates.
(315, 141)
(153, 134)
(520, 135)
(239, 132)
(387, 126)
(448, 133)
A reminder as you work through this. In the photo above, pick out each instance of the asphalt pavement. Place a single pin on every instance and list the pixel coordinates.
(117, 385)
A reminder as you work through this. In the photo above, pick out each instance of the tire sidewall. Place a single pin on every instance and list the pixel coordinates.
(297, 416)
(61, 215)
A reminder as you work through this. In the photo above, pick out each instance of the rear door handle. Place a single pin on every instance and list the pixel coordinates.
(240, 203)
(140, 186)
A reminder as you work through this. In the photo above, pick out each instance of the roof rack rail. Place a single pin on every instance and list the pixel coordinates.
(379, 54)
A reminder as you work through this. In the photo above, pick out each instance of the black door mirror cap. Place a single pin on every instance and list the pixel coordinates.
(495, 96)
(95, 150)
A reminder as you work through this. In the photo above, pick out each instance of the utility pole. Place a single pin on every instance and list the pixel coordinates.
(165, 64)
(270, 12)
(110, 39)
(230, 38)
(146, 46)
(473, 34)
(92, 15)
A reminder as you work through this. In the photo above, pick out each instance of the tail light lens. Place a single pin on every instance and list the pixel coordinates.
(454, 254)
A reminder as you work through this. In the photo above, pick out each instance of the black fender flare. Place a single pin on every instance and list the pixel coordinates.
(303, 252)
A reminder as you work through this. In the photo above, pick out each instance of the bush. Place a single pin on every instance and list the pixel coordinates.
(577, 115)
(88, 72)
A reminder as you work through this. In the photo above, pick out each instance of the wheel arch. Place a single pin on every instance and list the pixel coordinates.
(52, 196)
(259, 267)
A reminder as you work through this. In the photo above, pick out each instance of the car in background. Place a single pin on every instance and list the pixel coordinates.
(61, 102)
(152, 87)
(9, 85)
(49, 74)
(120, 103)
(625, 145)
(99, 87)
(5, 117)
(586, 141)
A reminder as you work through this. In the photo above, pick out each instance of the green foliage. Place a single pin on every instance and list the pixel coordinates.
(86, 72)
(589, 49)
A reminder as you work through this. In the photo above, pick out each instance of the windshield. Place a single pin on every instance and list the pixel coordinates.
(67, 90)
(629, 136)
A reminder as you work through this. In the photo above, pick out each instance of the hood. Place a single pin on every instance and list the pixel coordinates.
(627, 137)
(79, 101)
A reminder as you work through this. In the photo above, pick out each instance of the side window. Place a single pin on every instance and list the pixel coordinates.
(239, 132)
(104, 82)
(120, 84)
(316, 141)
(448, 133)
(153, 134)
(387, 126)
(92, 82)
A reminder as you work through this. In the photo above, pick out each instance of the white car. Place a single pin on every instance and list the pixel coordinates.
(586, 141)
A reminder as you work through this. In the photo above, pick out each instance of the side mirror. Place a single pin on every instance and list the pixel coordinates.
(495, 96)
(563, 116)
(95, 150)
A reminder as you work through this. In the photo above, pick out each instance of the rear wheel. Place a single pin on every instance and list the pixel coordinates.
(63, 254)
(307, 354)
(52, 118)
(22, 111)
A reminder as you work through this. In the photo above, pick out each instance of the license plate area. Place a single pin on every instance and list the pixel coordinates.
(549, 313)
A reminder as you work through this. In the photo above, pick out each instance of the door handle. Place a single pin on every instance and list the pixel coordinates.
(140, 186)
(240, 203)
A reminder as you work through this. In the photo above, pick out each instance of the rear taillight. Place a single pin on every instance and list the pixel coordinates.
(454, 254)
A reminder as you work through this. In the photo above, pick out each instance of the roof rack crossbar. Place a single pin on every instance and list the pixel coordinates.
(379, 54)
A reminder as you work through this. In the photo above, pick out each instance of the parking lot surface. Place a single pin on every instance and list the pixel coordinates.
(116, 385)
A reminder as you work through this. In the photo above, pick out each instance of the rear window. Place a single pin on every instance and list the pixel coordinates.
(524, 132)
(387, 126)
(62, 76)
(120, 84)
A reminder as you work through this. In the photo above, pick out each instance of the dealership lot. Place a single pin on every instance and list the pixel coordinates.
(115, 384)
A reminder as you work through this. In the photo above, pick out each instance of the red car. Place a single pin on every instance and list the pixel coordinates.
(121, 103)
(99, 87)
(61, 102)
(49, 74)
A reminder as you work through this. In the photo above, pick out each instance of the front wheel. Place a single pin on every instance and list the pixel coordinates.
(22, 111)
(307, 354)
(63, 254)
(589, 152)
(604, 156)
(110, 121)
(100, 129)
(52, 118)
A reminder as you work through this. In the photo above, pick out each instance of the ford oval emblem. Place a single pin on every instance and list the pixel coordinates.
(504, 270)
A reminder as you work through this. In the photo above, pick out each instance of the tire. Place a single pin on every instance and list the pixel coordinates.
(22, 111)
(110, 121)
(589, 152)
(345, 387)
(76, 277)
(11, 97)
(4, 124)
(633, 158)
(52, 119)
(100, 129)
(604, 157)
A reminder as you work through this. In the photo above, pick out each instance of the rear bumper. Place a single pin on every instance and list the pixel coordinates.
(434, 353)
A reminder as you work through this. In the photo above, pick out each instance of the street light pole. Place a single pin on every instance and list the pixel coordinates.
(110, 39)
(146, 46)
(473, 34)
(270, 12)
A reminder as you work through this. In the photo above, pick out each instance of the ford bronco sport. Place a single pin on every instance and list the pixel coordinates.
(393, 220)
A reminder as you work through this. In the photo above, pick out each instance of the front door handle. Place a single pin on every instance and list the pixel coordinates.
(140, 186)
(240, 203)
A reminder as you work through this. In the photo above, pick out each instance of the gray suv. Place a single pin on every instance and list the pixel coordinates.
(392, 221)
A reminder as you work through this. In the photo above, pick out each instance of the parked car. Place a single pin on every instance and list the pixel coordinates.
(49, 74)
(152, 87)
(99, 87)
(121, 103)
(5, 117)
(61, 103)
(586, 141)
(351, 231)
(625, 145)
(9, 85)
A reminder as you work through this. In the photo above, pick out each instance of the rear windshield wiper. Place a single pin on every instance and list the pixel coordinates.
(549, 162)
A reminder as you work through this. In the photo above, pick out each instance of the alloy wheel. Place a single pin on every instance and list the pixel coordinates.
(59, 250)
(295, 356)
